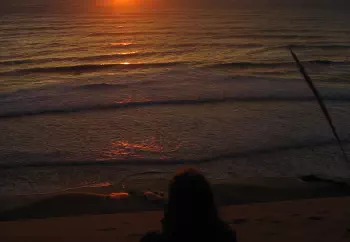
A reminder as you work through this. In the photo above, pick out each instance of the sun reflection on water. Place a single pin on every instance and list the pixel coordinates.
(131, 99)
(128, 53)
(121, 44)
(125, 100)
(123, 149)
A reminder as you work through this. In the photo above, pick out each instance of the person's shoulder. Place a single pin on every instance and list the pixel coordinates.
(153, 237)
(227, 233)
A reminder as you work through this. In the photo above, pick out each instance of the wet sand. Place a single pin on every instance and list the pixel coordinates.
(138, 197)
(326, 219)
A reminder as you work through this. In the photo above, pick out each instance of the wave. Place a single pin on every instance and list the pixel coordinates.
(273, 36)
(121, 105)
(122, 45)
(166, 162)
(218, 34)
(250, 65)
(284, 30)
(15, 62)
(241, 45)
(78, 69)
(319, 46)
(35, 29)
(300, 32)
(197, 44)
(87, 58)
(301, 47)
(210, 34)
(189, 45)
(275, 64)
(127, 54)
(59, 27)
(106, 34)
(101, 86)
(328, 62)
(232, 45)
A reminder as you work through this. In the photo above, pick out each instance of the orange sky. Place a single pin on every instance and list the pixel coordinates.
(114, 2)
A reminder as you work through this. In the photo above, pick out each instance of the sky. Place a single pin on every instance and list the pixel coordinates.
(8, 6)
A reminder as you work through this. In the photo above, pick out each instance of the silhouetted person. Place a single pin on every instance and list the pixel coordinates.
(191, 214)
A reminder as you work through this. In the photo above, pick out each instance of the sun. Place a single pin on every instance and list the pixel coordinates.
(111, 3)
(122, 2)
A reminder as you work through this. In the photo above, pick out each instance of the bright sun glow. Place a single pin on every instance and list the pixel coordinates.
(121, 1)
(107, 3)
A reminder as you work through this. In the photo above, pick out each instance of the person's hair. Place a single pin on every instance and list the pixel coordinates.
(191, 208)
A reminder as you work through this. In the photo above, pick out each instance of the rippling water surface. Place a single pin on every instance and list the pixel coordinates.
(129, 92)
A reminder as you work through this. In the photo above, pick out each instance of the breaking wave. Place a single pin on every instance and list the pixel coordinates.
(177, 102)
(77, 69)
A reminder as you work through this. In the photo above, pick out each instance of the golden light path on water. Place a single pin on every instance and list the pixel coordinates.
(121, 44)
(123, 149)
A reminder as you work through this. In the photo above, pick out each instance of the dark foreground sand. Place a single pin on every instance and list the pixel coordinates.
(323, 219)
(306, 209)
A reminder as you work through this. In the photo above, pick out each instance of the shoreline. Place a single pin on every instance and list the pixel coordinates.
(139, 198)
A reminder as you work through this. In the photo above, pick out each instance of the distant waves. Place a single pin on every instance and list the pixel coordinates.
(131, 104)
(276, 64)
(86, 68)
(79, 69)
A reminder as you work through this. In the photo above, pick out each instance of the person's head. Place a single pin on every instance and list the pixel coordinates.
(191, 202)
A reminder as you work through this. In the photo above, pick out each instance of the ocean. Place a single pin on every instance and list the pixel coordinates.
(91, 99)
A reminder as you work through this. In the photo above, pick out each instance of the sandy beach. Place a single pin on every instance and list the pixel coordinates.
(326, 219)
(305, 209)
